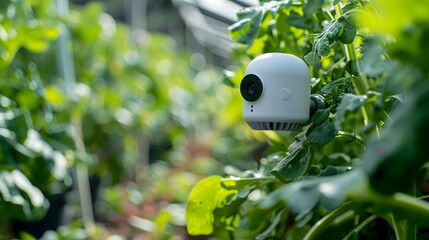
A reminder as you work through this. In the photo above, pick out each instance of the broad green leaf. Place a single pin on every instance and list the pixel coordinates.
(36, 45)
(320, 116)
(332, 30)
(348, 32)
(292, 166)
(247, 29)
(321, 46)
(248, 12)
(300, 140)
(37, 40)
(344, 82)
(397, 15)
(322, 134)
(300, 21)
(299, 196)
(204, 198)
(312, 6)
(401, 150)
(314, 60)
(373, 63)
(329, 192)
(350, 103)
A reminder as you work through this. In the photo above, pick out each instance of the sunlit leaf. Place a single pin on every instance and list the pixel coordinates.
(247, 29)
(18, 193)
(59, 163)
(54, 97)
(204, 198)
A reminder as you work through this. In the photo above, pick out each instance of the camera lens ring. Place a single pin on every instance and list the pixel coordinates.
(251, 87)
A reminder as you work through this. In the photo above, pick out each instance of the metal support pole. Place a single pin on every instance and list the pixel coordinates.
(67, 71)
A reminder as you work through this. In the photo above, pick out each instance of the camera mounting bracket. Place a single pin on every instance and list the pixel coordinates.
(317, 102)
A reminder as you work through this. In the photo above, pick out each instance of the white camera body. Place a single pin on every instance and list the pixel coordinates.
(276, 90)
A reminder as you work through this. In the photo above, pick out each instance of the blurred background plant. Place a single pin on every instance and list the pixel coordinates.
(104, 130)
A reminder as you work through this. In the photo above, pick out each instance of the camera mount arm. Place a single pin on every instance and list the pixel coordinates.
(317, 102)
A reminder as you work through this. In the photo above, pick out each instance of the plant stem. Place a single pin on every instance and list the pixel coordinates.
(360, 83)
(231, 235)
(398, 204)
(323, 223)
(359, 227)
(352, 137)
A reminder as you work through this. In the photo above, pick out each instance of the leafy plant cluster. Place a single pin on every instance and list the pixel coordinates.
(357, 169)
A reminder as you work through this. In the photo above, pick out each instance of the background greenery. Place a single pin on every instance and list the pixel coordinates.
(78, 91)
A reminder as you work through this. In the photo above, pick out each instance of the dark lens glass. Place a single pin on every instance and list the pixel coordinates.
(251, 87)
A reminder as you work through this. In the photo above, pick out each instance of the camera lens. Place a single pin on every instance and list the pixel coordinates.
(251, 87)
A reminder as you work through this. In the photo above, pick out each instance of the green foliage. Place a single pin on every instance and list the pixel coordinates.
(30, 164)
(365, 153)
(205, 197)
(82, 89)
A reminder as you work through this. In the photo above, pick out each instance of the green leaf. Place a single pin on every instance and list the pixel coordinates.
(38, 39)
(322, 134)
(349, 30)
(333, 29)
(314, 60)
(349, 103)
(320, 116)
(300, 21)
(26, 236)
(329, 192)
(234, 183)
(59, 167)
(392, 160)
(204, 198)
(300, 140)
(292, 166)
(247, 29)
(312, 6)
(321, 45)
(25, 200)
(54, 96)
(339, 83)
(373, 63)
(275, 7)
(271, 227)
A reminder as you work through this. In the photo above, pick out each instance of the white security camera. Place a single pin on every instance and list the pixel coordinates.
(276, 91)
